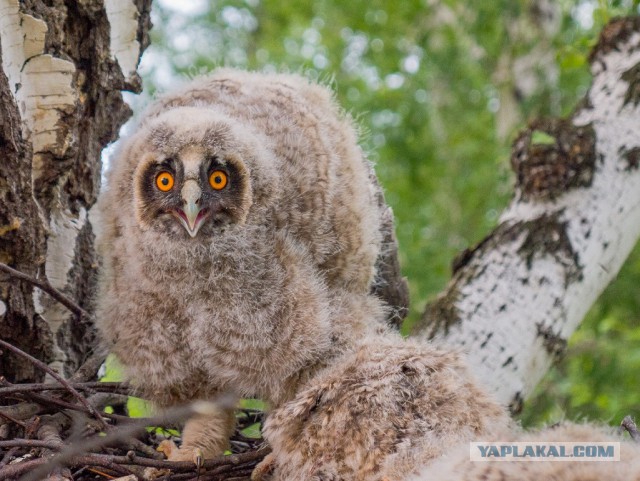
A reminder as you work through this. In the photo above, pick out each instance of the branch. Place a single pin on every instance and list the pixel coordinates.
(110, 387)
(50, 403)
(630, 426)
(58, 378)
(29, 443)
(516, 297)
(75, 454)
(48, 288)
(11, 419)
(89, 369)
(19, 412)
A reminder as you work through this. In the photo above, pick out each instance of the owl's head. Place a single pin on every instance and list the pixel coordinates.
(193, 176)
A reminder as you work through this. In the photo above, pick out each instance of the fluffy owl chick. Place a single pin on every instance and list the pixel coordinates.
(456, 466)
(240, 228)
(379, 413)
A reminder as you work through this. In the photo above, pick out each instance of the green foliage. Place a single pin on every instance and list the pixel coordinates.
(432, 84)
(253, 430)
(542, 138)
(136, 407)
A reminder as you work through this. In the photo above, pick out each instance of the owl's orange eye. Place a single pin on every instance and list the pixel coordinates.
(164, 181)
(218, 180)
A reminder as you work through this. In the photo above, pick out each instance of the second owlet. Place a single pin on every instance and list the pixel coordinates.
(245, 246)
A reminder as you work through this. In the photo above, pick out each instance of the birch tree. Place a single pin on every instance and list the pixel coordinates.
(64, 67)
(517, 296)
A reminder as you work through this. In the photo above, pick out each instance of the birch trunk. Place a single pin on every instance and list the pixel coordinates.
(515, 299)
(64, 65)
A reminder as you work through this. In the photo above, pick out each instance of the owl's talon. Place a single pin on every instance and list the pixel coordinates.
(264, 468)
(198, 458)
(174, 453)
(167, 447)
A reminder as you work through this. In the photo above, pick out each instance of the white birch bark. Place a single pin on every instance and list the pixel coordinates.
(63, 105)
(517, 297)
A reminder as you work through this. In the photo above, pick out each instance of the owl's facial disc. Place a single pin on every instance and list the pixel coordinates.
(191, 194)
(191, 216)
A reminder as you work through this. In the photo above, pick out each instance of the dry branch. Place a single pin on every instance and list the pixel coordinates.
(48, 288)
(515, 298)
(630, 426)
(67, 438)
(57, 377)
(90, 387)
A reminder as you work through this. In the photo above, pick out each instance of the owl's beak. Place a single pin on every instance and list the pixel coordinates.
(191, 216)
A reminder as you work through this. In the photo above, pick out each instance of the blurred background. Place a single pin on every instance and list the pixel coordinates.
(439, 89)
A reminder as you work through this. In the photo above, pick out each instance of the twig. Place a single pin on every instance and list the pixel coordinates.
(631, 428)
(58, 378)
(13, 420)
(7, 457)
(21, 411)
(148, 451)
(114, 387)
(30, 443)
(71, 453)
(100, 460)
(48, 288)
(47, 401)
(51, 428)
(226, 462)
(128, 477)
(238, 473)
(14, 470)
(43, 403)
(89, 368)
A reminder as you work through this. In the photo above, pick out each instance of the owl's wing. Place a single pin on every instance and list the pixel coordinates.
(389, 284)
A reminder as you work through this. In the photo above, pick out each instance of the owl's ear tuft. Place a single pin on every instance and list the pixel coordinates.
(160, 135)
(216, 135)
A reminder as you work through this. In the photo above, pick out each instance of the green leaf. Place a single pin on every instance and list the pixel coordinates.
(113, 371)
(572, 59)
(538, 137)
(137, 408)
(252, 404)
(252, 431)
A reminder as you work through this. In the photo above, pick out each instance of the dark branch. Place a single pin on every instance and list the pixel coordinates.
(48, 288)
(57, 377)
(628, 424)
(29, 443)
(126, 449)
(10, 418)
(89, 369)
(112, 387)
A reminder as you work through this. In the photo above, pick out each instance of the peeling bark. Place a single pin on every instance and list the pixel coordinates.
(389, 284)
(64, 66)
(515, 298)
(547, 170)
